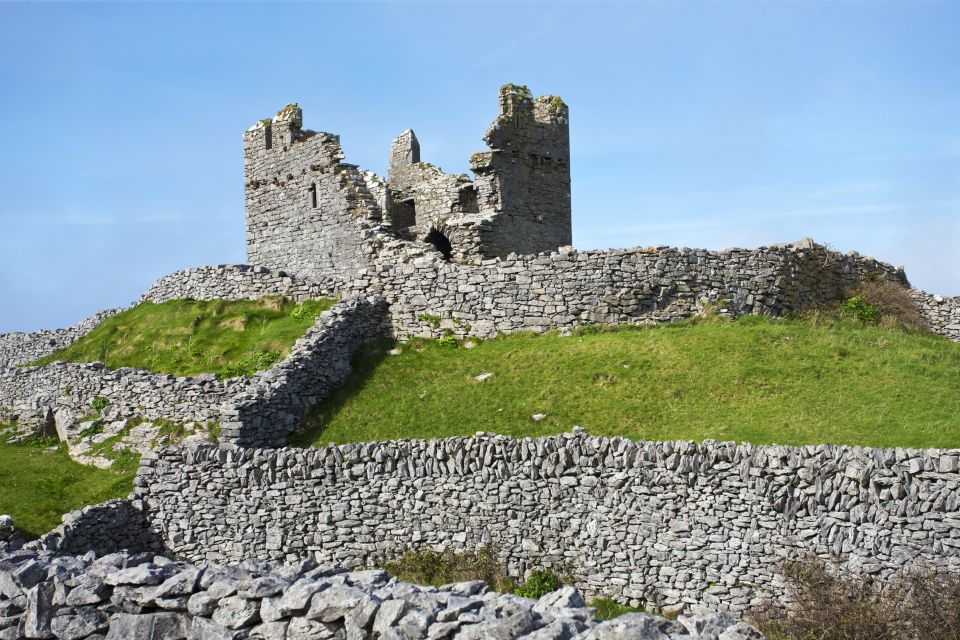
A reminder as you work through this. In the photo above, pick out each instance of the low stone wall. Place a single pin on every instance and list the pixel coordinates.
(270, 409)
(67, 390)
(262, 410)
(665, 522)
(235, 282)
(942, 314)
(142, 596)
(108, 527)
(21, 348)
(429, 296)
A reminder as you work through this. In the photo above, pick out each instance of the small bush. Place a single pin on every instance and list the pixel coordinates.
(540, 583)
(436, 568)
(858, 308)
(827, 606)
(99, 403)
(448, 341)
(894, 303)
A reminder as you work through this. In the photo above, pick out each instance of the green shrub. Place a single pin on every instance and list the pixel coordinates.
(540, 583)
(99, 403)
(858, 308)
(449, 342)
(429, 318)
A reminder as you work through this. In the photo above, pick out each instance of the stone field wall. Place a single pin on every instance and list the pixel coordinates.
(942, 314)
(20, 348)
(666, 522)
(261, 410)
(563, 289)
(269, 410)
(235, 282)
(146, 596)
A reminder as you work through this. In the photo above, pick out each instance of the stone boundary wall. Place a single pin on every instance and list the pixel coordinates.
(103, 528)
(568, 288)
(67, 390)
(261, 410)
(666, 522)
(20, 348)
(235, 282)
(942, 314)
(145, 596)
(270, 409)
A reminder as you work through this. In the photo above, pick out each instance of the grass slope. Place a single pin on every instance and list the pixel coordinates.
(39, 483)
(756, 380)
(190, 337)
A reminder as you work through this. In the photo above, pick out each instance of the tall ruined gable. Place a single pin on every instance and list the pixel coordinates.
(301, 200)
(525, 177)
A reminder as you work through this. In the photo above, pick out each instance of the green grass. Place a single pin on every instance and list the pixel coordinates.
(608, 608)
(755, 380)
(39, 483)
(191, 337)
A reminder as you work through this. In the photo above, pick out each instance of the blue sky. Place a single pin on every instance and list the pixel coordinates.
(692, 124)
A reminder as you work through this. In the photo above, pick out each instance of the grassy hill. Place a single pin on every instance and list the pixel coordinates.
(190, 337)
(760, 380)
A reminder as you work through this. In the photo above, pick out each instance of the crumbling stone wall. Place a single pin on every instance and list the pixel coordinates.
(942, 314)
(570, 288)
(302, 201)
(523, 182)
(665, 522)
(20, 348)
(236, 282)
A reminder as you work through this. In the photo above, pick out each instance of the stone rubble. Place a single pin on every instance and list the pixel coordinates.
(146, 596)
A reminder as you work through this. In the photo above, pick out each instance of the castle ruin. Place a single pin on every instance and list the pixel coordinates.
(302, 200)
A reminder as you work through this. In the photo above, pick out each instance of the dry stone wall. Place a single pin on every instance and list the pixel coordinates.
(666, 522)
(568, 288)
(942, 314)
(262, 410)
(146, 596)
(20, 348)
(269, 410)
(63, 393)
(235, 282)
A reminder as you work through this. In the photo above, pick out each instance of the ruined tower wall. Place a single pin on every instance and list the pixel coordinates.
(301, 201)
(523, 182)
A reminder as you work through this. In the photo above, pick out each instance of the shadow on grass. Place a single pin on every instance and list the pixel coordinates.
(363, 364)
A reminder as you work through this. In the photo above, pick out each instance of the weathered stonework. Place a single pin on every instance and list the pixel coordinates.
(942, 314)
(570, 288)
(236, 282)
(145, 596)
(20, 348)
(258, 411)
(302, 201)
(666, 522)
